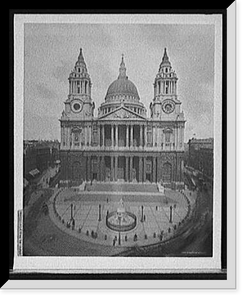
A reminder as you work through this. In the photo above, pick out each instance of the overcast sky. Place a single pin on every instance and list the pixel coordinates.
(51, 51)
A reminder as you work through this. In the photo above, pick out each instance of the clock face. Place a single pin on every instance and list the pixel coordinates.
(76, 106)
(168, 106)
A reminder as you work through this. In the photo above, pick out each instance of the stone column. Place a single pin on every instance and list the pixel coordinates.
(99, 131)
(152, 144)
(68, 137)
(127, 136)
(131, 168)
(131, 135)
(175, 137)
(102, 177)
(103, 136)
(112, 168)
(179, 136)
(116, 135)
(141, 135)
(116, 168)
(90, 136)
(156, 135)
(182, 132)
(112, 136)
(99, 169)
(159, 137)
(154, 169)
(70, 91)
(127, 168)
(89, 168)
(145, 135)
(140, 169)
(62, 135)
(144, 169)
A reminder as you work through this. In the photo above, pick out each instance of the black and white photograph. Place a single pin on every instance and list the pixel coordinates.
(118, 139)
(118, 142)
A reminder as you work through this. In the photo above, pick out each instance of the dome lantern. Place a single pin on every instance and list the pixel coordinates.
(122, 69)
(122, 87)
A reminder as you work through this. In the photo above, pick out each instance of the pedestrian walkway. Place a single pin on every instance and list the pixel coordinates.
(157, 223)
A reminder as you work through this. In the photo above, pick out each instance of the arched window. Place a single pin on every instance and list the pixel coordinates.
(168, 133)
(167, 86)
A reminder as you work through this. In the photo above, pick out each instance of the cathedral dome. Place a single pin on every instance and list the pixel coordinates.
(122, 88)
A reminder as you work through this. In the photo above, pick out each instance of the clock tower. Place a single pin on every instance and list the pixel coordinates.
(79, 104)
(165, 111)
(165, 105)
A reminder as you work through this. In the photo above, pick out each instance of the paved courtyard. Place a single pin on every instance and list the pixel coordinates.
(83, 214)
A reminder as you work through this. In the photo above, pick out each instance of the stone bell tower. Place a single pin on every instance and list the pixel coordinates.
(79, 105)
(165, 111)
(165, 105)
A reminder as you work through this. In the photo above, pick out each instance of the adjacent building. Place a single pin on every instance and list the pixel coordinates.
(201, 156)
(122, 143)
(38, 156)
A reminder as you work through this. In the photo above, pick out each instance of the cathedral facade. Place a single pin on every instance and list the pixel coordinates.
(121, 143)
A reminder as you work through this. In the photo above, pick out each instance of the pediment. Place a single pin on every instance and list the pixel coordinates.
(122, 113)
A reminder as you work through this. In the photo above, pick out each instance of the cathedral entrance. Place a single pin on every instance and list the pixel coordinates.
(95, 168)
(135, 170)
(107, 168)
(76, 170)
(167, 172)
(122, 136)
(121, 168)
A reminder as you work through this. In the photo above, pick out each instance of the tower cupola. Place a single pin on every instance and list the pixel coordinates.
(79, 79)
(166, 79)
(122, 69)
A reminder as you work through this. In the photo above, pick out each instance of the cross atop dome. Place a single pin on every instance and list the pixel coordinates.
(122, 69)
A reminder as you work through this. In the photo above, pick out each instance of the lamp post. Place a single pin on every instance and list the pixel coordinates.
(170, 214)
(71, 211)
(99, 212)
(142, 213)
